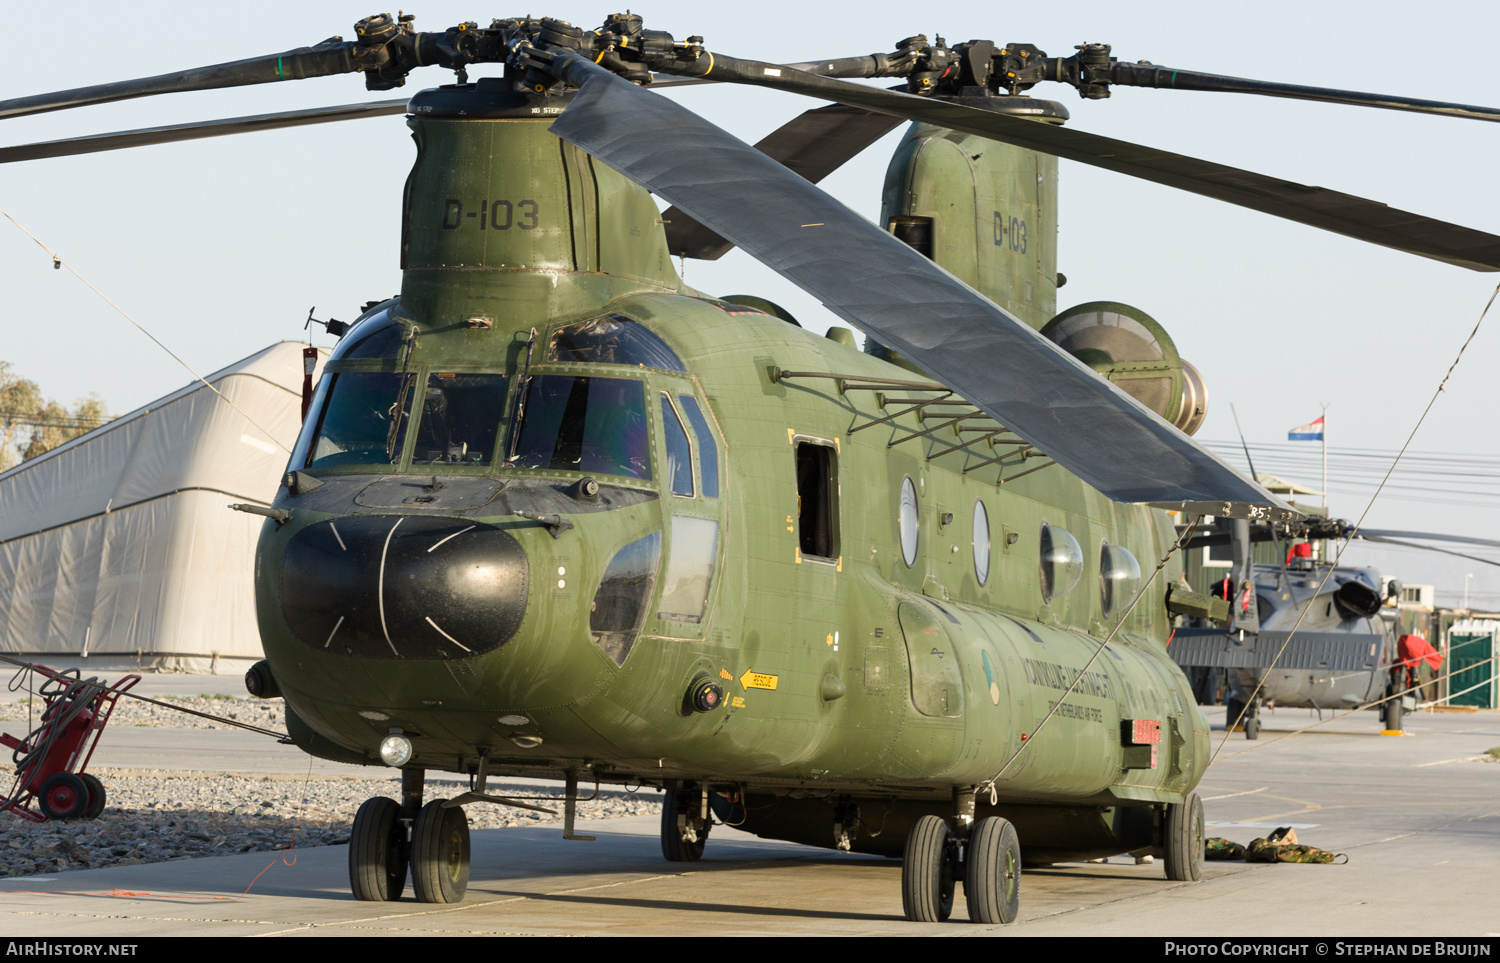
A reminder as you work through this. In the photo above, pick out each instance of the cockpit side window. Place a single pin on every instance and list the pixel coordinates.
(708, 452)
(612, 339)
(679, 452)
(595, 425)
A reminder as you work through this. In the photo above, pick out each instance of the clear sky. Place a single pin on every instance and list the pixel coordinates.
(221, 246)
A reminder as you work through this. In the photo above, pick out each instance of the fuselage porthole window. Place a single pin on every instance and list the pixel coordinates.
(1061, 562)
(981, 541)
(1119, 577)
(908, 521)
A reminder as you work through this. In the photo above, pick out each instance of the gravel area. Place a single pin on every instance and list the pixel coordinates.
(153, 818)
(265, 713)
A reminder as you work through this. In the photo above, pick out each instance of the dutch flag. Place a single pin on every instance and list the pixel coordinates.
(1312, 431)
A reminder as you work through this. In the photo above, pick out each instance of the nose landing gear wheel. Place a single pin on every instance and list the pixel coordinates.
(992, 872)
(440, 854)
(1182, 840)
(927, 872)
(377, 851)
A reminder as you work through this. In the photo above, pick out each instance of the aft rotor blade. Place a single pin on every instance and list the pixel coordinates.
(879, 284)
(209, 128)
(814, 144)
(1346, 214)
(1150, 75)
(300, 64)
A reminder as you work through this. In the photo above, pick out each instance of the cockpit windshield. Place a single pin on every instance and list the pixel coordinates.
(355, 424)
(423, 415)
(595, 425)
(460, 420)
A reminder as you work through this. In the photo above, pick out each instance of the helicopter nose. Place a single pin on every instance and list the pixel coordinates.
(403, 586)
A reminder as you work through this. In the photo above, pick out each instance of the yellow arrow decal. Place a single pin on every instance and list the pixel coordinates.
(757, 680)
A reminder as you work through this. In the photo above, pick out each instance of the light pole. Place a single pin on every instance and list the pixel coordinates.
(1466, 589)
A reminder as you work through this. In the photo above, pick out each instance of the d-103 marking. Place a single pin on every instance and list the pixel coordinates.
(499, 215)
(1010, 232)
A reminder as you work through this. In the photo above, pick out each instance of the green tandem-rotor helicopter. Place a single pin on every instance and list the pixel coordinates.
(555, 513)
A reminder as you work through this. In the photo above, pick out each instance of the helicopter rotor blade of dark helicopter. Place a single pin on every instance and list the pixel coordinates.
(1428, 548)
(1346, 214)
(321, 61)
(814, 144)
(147, 136)
(1151, 75)
(876, 282)
(1428, 536)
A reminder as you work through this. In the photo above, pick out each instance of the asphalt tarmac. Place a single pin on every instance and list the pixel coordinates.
(1418, 817)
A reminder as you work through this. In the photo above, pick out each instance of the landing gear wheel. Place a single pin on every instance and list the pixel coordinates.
(440, 854)
(377, 851)
(927, 872)
(1252, 727)
(1232, 709)
(1182, 840)
(96, 795)
(63, 796)
(675, 846)
(1393, 715)
(992, 872)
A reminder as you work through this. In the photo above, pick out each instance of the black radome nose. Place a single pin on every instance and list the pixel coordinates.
(403, 586)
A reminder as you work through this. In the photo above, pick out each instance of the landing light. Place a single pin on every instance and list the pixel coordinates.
(395, 750)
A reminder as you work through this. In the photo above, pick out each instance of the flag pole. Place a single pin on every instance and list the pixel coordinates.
(1325, 456)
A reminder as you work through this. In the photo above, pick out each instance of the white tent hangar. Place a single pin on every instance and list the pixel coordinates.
(119, 548)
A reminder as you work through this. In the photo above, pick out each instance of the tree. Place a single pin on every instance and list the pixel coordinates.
(32, 424)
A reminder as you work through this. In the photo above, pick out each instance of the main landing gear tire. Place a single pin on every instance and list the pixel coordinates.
(97, 795)
(377, 851)
(1393, 715)
(1232, 710)
(64, 796)
(927, 872)
(682, 841)
(992, 872)
(1252, 727)
(1182, 840)
(440, 854)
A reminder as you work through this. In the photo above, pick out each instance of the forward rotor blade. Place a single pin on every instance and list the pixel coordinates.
(208, 128)
(1345, 214)
(1150, 75)
(896, 295)
(300, 64)
(814, 144)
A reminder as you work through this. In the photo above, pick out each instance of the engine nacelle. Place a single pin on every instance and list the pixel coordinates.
(1128, 347)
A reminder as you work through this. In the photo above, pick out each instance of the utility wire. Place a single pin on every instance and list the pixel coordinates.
(58, 262)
